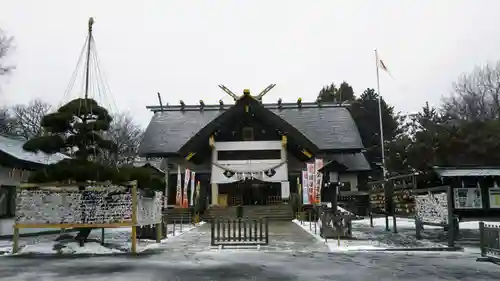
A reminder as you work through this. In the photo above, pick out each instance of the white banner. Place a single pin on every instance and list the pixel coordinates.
(178, 194)
(318, 164)
(305, 192)
(165, 197)
(249, 171)
(310, 182)
(193, 174)
(285, 190)
(187, 175)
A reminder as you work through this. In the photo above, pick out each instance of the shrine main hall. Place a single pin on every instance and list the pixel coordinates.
(249, 152)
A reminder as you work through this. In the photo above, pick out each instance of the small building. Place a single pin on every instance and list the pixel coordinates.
(15, 167)
(248, 152)
(476, 190)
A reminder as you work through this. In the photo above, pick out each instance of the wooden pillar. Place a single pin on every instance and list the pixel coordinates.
(15, 240)
(167, 177)
(215, 194)
(134, 218)
(158, 232)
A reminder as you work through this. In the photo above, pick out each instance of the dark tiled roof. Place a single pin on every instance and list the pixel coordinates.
(355, 162)
(14, 147)
(329, 127)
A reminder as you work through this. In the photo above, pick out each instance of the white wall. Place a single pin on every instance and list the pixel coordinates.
(10, 177)
(248, 145)
(352, 178)
(249, 166)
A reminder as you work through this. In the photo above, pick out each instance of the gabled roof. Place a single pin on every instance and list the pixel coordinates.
(247, 106)
(155, 164)
(14, 148)
(327, 126)
(467, 171)
(350, 162)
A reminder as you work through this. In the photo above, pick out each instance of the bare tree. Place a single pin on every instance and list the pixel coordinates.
(476, 95)
(5, 46)
(6, 122)
(127, 135)
(28, 118)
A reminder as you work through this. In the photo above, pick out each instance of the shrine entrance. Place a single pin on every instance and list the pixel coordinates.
(251, 192)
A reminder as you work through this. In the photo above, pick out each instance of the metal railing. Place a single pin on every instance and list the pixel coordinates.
(490, 241)
(171, 225)
(239, 232)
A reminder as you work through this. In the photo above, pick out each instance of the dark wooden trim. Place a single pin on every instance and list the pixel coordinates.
(201, 138)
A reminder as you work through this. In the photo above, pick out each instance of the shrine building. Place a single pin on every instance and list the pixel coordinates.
(250, 153)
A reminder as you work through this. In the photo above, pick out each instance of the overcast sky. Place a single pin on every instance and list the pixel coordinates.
(184, 49)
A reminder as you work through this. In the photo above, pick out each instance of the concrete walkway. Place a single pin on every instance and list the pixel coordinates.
(283, 237)
(288, 236)
(292, 254)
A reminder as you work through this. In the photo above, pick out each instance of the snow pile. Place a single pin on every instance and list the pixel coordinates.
(410, 223)
(69, 248)
(5, 247)
(117, 241)
(366, 238)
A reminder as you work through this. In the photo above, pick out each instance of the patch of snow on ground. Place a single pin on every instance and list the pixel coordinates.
(376, 238)
(120, 237)
(42, 248)
(89, 248)
(410, 223)
(5, 247)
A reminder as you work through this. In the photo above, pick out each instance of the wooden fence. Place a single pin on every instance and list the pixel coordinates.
(490, 241)
(239, 232)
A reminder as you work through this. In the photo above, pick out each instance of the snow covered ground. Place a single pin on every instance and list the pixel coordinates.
(377, 238)
(116, 241)
(189, 257)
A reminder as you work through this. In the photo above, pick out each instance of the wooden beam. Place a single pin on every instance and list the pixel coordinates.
(73, 184)
(231, 94)
(306, 153)
(74, 225)
(190, 155)
(265, 91)
(211, 141)
(284, 141)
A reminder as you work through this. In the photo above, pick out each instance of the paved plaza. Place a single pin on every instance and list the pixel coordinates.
(293, 254)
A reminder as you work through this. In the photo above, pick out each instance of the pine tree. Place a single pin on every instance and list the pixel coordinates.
(76, 130)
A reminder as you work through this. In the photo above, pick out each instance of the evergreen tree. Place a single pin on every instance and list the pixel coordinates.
(365, 112)
(75, 129)
(332, 94)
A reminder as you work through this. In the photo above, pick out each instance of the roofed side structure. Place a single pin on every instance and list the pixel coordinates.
(13, 148)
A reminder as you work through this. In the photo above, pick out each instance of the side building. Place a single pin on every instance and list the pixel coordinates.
(252, 153)
(15, 167)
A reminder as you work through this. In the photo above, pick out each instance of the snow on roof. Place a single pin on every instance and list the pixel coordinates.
(14, 147)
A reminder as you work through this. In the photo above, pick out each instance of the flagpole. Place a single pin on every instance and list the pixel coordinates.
(382, 146)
